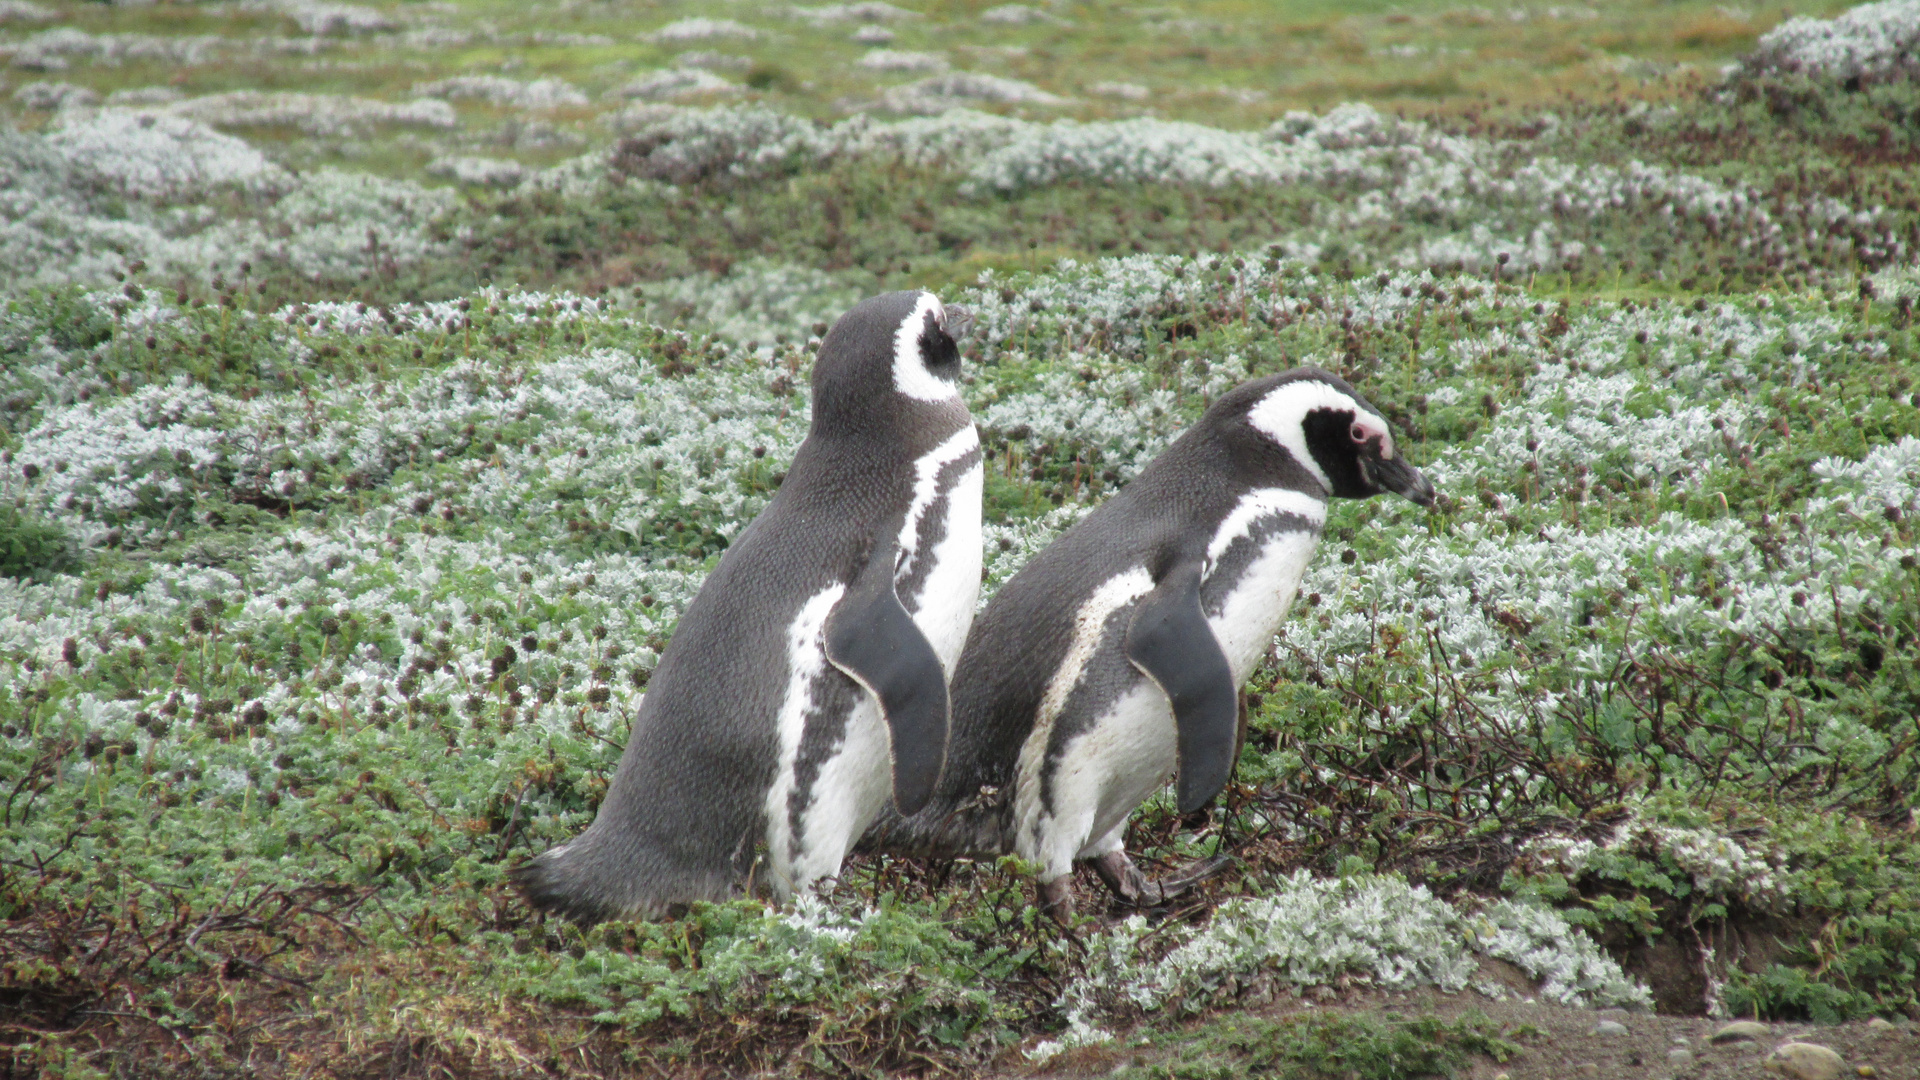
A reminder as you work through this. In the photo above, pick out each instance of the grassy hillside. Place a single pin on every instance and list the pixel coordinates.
(1217, 61)
(359, 452)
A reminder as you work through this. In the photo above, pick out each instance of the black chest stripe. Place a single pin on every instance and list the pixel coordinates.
(1241, 554)
(1105, 680)
(833, 696)
(910, 580)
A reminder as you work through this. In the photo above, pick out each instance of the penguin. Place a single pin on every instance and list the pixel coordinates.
(808, 677)
(1113, 660)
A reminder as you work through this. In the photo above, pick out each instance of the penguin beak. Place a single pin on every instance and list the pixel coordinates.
(958, 322)
(1395, 475)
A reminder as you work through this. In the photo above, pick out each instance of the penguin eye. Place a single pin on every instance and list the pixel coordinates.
(938, 352)
(1359, 435)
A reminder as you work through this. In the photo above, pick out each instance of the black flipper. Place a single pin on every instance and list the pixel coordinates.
(873, 639)
(1170, 641)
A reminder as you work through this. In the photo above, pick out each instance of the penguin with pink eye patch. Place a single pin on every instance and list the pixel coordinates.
(1112, 662)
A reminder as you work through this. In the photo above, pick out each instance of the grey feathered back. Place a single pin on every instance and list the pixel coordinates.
(1020, 640)
(686, 808)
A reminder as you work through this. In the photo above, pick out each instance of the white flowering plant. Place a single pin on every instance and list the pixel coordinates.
(362, 440)
(1312, 932)
(417, 561)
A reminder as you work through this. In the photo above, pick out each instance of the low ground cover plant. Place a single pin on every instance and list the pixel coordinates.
(344, 514)
(328, 667)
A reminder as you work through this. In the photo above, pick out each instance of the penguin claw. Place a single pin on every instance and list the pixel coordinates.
(1127, 883)
(1194, 873)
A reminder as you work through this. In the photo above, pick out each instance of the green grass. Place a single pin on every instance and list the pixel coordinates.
(33, 548)
(347, 841)
(1192, 56)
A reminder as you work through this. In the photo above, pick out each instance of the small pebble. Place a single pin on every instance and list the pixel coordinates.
(1677, 1057)
(1879, 1024)
(1740, 1031)
(1866, 1070)
(1806, 1061)
(1609, 1027)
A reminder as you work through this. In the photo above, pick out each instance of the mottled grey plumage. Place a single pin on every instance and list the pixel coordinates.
(748, 735)
(1118, 651)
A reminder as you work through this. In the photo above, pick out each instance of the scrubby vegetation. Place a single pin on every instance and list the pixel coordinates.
(346, 513)
(1308, 1048)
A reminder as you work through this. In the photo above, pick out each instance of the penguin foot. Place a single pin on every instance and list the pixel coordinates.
(1056, 899)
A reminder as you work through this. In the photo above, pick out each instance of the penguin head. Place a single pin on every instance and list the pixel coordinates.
(1323, 428)
(891, 350)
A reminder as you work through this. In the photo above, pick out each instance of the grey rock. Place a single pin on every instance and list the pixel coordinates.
(1678, 1057)
(1740, 1031)
(1806, 1061)
(1609, 1027)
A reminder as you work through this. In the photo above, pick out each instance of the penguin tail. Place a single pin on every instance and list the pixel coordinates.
(602, 876)
(887, 833)
(939, 831)
(549, 885)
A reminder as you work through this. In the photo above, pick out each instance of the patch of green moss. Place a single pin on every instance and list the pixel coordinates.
(32, 547)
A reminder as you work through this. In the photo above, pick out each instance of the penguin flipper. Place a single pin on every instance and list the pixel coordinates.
(1169, 640)
(875, 642)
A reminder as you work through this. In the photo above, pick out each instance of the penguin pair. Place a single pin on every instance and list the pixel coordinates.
(820, 647)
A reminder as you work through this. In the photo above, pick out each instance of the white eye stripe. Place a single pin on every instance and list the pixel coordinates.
(910, 374)
(1280, 416)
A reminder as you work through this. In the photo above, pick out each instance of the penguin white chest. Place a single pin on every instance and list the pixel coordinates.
(1256, 558)
(789, 844)
(1133, 749)
(1106, 773)
(1139, 727)
(937, 580)
(1255, 561)
(1253, 606)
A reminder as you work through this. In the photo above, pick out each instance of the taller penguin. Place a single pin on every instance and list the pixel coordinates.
(1114, 659)
(809, 676)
